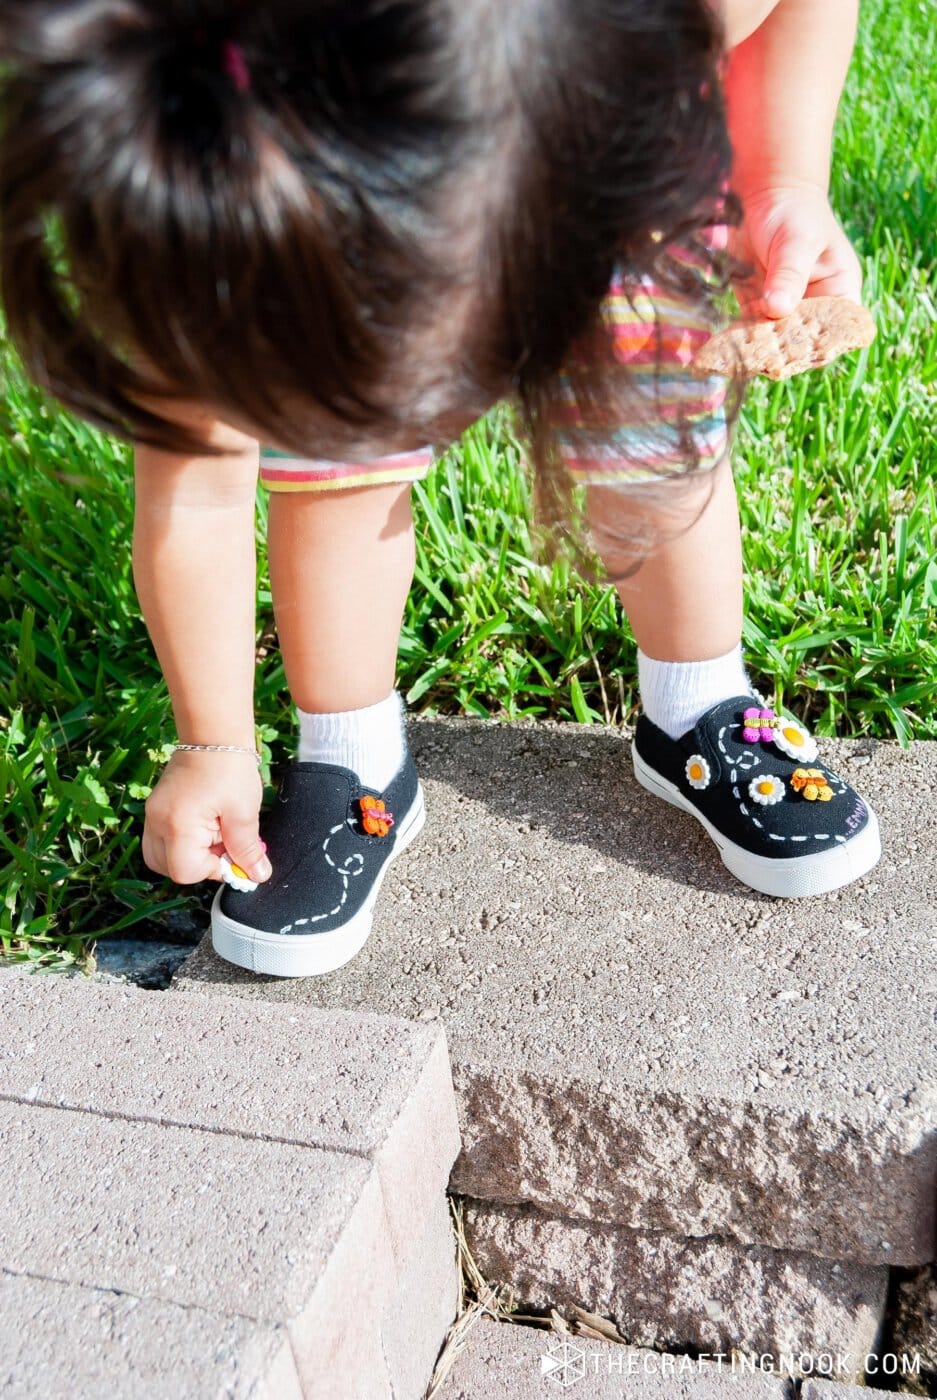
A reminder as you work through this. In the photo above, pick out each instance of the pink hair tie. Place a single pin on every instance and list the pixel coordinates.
(235, 65)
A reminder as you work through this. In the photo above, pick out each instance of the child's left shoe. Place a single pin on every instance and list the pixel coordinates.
(784, 823)
(330, 841)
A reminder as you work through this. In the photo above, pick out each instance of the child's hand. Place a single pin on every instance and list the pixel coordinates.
(793, 241)
(203, 805)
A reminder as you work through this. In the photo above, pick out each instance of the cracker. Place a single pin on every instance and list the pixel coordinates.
(815, 333)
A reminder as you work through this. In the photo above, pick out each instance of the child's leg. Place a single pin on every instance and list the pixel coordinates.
(341, 562)
(782, 822)
(674, 552)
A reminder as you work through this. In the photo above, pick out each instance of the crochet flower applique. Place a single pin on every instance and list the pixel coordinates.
(698, 772)
(375, 818)
(812, 784)
(791, 738)
(766, 791)
(758, 724)
(786, 734)
(234, 876)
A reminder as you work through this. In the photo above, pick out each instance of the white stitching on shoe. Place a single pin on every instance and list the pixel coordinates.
(343, 871)
(817, 835)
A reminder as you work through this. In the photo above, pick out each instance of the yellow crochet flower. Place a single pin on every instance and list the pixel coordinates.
(811, 783)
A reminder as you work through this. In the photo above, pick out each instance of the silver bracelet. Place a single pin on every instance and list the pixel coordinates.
(217, 748)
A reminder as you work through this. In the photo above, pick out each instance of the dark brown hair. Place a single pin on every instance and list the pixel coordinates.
(383, 217)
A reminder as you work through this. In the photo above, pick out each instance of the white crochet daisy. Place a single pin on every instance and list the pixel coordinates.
(793, 739)
(234, 876)
(698, 773)
(766, 790)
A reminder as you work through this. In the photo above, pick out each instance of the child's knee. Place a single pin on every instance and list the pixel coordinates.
(626, 522)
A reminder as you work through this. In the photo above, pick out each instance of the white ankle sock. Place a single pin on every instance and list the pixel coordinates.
(369, 741)
(675, 694)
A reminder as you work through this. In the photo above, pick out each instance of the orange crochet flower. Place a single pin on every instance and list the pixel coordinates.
(813, 785)
(375, 818)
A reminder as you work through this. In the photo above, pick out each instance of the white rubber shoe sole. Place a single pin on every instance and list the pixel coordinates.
(309, 954)
(785, 878)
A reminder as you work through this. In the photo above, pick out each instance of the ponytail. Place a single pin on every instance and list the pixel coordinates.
(159, 203)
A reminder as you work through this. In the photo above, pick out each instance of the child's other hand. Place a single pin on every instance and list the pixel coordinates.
(796, 247)
(203, 805)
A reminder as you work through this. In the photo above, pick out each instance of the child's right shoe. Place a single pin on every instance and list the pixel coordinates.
(784, 823)
(330, 840)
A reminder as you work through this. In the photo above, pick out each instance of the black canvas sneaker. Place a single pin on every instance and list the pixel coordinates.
(330, 840)
(784, 823)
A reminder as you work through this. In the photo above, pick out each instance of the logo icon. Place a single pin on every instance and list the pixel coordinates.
(563, 1363)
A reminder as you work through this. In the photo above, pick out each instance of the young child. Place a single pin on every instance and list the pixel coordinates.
(346, 231)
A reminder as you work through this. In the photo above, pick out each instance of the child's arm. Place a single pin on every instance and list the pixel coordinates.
(783, 87)
(194, 568)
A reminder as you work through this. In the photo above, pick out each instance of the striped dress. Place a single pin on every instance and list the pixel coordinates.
(670, 419)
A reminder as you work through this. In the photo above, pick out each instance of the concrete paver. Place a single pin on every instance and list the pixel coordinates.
(637, 1039)
(223, 1223)
(356, 1083)
(503, 1361)
(710, 1294)
(418, 1316)
(416, 1157)
(62, 1339)
(833, 1390)
(274, 1179)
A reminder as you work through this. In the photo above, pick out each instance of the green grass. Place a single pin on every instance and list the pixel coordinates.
(836, 476)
